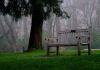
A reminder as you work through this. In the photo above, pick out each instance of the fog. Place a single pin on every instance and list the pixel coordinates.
(14, 35)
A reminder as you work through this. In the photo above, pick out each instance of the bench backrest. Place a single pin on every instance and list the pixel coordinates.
(70, 37)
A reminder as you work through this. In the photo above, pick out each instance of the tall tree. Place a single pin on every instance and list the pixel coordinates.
(38, 9)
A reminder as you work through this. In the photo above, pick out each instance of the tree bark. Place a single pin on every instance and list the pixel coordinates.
(35, 40)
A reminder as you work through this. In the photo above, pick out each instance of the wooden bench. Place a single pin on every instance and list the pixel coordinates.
(78, 44)
(57, 45)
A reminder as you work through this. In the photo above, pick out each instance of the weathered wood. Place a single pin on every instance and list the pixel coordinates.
(78, 47)
(83, 44)
(89, 46)
(89, 49)
(78, 33)
(57, 50)
(48, 50)
(63, 45)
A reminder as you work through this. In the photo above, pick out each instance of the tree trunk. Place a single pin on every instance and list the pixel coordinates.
(35, 40)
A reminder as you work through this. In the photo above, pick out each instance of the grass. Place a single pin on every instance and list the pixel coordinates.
(38, 61)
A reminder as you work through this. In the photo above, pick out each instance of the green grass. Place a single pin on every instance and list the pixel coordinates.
(38, 61)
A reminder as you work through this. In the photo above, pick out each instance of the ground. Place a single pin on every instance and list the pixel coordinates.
(37, 60)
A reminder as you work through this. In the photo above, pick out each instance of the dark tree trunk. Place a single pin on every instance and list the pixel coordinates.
(35, 40)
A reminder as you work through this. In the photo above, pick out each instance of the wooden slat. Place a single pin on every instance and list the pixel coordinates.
(57, 44)
(84, 44)
(79, 34)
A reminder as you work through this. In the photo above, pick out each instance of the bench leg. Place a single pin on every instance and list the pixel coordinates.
(79, 53)
(78, 50)
(48, 50)
(57, 50)
(89, 49)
